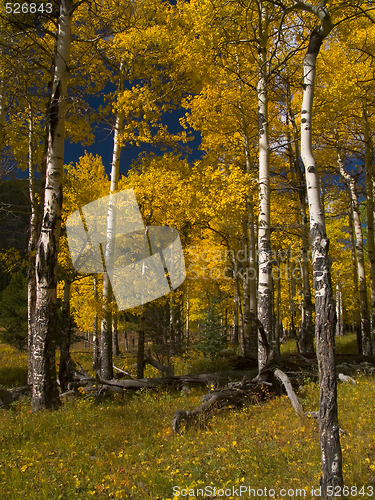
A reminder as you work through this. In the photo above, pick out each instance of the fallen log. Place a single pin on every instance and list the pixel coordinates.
(10, 396)
(236, 396)
(346, 378)
(168, 370)
(284, 379)
(211, 401)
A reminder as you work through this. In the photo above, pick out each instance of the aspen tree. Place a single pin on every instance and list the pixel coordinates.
(264, 230)
(349, 179)
(325, 317)
(45, 394)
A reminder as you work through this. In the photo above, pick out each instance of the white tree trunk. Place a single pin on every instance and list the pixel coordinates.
(325, 316)
(264, 232)
(31, 288)
(106, 363)
(45, 394)
(307, 327)
(361, 272)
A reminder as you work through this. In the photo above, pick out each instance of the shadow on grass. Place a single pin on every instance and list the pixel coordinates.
(13, 376)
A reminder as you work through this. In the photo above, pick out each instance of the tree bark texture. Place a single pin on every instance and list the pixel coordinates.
(45, 394)
(264, 232)
(325, 316)
(307, 327)
(31, 285)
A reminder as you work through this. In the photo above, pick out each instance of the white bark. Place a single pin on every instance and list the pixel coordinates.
(264, 232)
(106, 364)
(324, 303)
(361, 272)
(307, 327)
(45, 394)
(31, 288)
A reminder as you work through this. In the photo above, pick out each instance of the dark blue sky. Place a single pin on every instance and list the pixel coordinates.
(103, 145)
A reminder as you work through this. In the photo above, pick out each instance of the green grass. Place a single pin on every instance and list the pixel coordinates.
(344, 345)
(125, 448)
(13, 367)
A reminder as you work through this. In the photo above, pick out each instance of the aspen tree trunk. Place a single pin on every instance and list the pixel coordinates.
(264, 232)
(45, 393)
(356, 326)
(115, 346)
(95, 333)
(361, 272)
(337, 311)
(31, 289)
(325, 316)
(106, 363)
(369, 173)
(307, 327)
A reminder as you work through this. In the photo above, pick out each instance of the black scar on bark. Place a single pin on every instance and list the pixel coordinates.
(261, 121)
(316, 40)
(54, 111)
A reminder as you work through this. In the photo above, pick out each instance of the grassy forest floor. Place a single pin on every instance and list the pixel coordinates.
(124, 448)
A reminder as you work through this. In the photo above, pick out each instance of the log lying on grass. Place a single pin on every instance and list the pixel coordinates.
(101, 387)
(297, 369)
(8, 397)
(284, 379)
(233, 397)
(240, 393)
